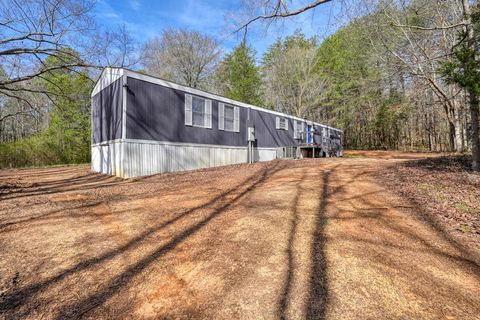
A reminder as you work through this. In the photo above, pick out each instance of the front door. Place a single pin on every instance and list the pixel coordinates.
(309, 134)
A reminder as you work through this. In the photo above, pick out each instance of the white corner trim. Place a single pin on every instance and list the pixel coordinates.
(108, 76)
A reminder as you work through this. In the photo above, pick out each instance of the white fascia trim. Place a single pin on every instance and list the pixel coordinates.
(168, 84)
(105, 143)
(266, 149)
(107, 77)
(187, 144)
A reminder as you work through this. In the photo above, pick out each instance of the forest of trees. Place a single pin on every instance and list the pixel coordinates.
(397, 75)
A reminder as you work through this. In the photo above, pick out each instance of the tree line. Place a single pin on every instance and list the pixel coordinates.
(398, 75)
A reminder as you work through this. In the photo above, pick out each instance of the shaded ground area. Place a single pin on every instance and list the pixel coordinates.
(446, 189)
(394, 155)
(318, 238)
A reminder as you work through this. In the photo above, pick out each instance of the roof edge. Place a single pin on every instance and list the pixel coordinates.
(107, 77)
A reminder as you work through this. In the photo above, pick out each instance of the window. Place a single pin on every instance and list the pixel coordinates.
(281, 123)
(298, 129)
(198, 111)
(228, 117)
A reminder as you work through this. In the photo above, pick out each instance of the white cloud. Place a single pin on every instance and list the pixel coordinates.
(135, 4)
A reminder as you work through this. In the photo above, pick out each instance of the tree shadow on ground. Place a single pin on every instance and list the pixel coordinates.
(318, 295)
(10, 302)
(421, 209)
(457, 163)
(87, 182)
(284, 297)
(84, 306)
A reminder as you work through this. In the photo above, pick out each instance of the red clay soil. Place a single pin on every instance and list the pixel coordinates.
(316, 239)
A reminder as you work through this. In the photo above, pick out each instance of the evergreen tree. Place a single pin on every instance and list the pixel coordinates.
(69, 128)
(239, 76)
(464, 70)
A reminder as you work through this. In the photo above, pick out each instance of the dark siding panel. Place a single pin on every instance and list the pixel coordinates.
(107, 107)
(317, 134)
(157, 113)
(267, 135)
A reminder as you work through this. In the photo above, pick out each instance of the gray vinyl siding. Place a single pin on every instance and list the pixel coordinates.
(157, 113)
(317, 134)
(267, 135)
(107, 106)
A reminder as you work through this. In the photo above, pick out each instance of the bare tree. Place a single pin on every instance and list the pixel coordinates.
(417, 35)
(32, 30)
(183, 56)
(426, 35)
(292, 83)
(38, 37)
(117, 48)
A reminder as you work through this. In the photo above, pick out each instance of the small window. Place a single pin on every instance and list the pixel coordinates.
(281, 123)
(198, 111)
(297, 129)
(229, 118)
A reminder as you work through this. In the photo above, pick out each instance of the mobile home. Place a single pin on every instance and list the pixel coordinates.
(143, 125)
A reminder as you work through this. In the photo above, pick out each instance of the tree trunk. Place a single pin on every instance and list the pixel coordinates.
(472, 94)
(459, 145)
(475, 132)
(451, 136)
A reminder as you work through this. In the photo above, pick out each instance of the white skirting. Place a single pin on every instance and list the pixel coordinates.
(141, 157)
(106, 158)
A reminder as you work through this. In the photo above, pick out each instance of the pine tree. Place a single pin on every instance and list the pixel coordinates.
(239, 76)
(68, 132)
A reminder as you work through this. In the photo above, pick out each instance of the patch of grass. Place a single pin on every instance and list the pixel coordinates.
(425, 186)
(462, 206)
(434, 190)
(347, 155)
(465, 228)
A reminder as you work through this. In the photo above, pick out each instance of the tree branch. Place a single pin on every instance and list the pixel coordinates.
(277, 13)
(453, 26)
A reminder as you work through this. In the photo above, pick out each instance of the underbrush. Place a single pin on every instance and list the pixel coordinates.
(40, 150)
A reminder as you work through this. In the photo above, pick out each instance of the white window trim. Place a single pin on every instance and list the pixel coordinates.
(221, 117)
(298, 129)
(207, 123)
(278, 123)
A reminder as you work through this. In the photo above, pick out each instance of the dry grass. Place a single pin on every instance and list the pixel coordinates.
(288, 239)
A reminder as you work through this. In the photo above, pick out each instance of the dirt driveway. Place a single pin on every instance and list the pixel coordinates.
(311, 239)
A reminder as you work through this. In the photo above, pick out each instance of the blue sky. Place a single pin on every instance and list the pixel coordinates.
(145, 19)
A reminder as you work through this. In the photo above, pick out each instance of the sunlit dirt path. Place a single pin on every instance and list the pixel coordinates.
(310, 239)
